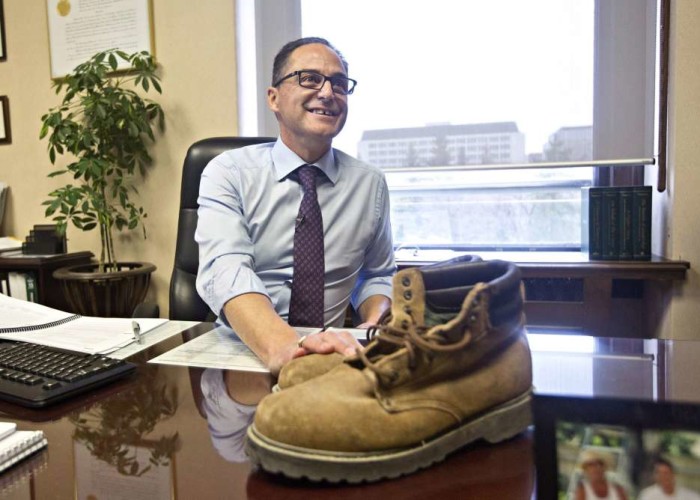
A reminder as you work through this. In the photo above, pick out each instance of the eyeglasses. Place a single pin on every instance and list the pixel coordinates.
(313, 80)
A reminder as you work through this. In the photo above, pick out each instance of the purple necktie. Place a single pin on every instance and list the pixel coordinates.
(306, 305)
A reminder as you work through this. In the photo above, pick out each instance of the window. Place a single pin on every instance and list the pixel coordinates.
(520, 82)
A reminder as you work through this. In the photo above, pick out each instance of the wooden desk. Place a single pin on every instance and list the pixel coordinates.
(169, 396)
(49, 290)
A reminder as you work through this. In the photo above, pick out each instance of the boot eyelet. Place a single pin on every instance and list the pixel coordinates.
(404, 325)
(407, 309)
(406, 281)
(407, 295)
(472, 318)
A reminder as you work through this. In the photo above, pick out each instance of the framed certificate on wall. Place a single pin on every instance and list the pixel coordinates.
(78, 30)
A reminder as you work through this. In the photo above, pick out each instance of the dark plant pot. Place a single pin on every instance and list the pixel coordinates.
(107, 294)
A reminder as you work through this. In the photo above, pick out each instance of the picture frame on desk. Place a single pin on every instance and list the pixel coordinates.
(627, 436)
(5, 131)
(96, 478)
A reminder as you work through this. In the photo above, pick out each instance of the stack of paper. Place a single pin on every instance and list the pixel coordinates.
(29, 322)
(16, 445)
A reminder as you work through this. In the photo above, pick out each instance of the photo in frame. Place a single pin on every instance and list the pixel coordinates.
(78, 30)
(3, 45)
(633, 444)
(5, 132)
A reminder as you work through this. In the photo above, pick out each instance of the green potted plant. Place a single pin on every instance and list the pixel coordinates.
(106, 128)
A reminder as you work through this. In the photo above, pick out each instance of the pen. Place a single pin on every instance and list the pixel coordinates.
(137, 332)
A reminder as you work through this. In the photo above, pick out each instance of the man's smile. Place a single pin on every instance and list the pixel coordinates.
(321, 111)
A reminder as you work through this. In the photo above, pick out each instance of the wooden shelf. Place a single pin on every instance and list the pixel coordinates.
(49, 290)
(568, 292)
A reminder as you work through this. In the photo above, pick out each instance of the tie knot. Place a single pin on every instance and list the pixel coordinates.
(307, 176)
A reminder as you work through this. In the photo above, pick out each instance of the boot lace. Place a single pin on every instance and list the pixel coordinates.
(388, 339)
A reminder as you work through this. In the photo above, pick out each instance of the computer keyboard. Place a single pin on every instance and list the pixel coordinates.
(35, 376)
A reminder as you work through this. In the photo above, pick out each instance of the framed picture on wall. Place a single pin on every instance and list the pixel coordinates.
(5, 135)
(78, 30)
(3, 47)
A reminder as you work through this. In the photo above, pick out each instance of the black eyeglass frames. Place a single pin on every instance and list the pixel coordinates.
(314, 80)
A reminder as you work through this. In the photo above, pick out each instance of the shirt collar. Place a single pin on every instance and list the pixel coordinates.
(287, 161)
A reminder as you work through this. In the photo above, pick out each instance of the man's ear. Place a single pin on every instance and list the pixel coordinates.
(272, 97)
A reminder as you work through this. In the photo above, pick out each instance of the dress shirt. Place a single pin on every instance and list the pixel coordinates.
(248, 203)
(227, 420)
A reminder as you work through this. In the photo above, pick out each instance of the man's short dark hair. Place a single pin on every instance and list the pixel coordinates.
(663, 461)
(283, 55)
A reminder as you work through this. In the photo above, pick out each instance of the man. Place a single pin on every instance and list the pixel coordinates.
(250, 209)
(665, 487)
(595, 484)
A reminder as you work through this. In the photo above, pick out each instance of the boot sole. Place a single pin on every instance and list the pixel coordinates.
(500, 423)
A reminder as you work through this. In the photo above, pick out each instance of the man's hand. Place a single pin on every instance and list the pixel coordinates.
(326, 342)
(255, 321)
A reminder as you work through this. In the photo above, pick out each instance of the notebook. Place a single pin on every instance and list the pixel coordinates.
(30, 322)
(16, 445)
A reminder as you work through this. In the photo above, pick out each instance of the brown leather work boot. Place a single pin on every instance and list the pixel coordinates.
(305, 368)
(450, 365)
(310, 366)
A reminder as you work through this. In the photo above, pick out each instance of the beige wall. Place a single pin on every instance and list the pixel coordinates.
(677, 229)
(195, 47)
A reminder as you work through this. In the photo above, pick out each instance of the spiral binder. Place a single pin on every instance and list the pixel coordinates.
(19, 445)
(17, 329)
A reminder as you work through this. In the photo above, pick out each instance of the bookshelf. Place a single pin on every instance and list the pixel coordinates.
(49, 291)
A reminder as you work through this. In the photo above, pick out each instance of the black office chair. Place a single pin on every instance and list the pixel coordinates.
(185, 303)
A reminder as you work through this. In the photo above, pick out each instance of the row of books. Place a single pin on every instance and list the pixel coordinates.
(616, 222)
(19, 285)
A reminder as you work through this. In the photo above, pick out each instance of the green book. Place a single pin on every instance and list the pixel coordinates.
(641, 223)
(591, 218)
(610, 211)
(625, 222)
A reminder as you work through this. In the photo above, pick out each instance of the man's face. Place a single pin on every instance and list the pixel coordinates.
(663, 475)
(594, 470)
(309, 119)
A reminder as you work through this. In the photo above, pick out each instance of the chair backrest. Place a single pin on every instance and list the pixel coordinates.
(185, 303)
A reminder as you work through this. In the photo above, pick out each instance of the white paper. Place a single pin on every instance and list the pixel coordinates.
(221, 348)
(83, 333)
(16, 313)
(84, 28)
(158, 334)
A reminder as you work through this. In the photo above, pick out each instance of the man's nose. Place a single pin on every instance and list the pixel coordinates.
(326, 90)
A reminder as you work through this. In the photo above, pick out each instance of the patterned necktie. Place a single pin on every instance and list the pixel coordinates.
(306, 305)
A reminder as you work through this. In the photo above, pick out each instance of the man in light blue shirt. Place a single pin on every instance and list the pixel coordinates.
(249, 199)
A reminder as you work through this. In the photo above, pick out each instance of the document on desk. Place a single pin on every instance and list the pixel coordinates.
(221, 348)
(30, 322)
